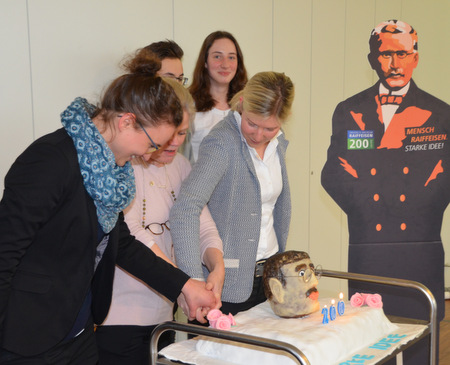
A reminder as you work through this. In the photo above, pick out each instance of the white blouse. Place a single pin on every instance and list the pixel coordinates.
(270, 180)
(203, 123)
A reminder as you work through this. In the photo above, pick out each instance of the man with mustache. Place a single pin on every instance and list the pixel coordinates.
(290, 284)
(387, 168)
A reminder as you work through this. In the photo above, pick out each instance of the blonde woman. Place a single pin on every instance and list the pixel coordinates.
(241, 176)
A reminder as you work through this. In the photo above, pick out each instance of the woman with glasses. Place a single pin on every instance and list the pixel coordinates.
(218, 75)
(170, 54)
(241, 176)
(61, 227)
(136, 309)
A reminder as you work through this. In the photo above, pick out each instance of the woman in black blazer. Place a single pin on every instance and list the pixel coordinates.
(62, 230)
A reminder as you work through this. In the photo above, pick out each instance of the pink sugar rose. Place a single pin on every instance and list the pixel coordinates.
(223, 323)
(212, 316)
(232, 321)
(374, 301)
(357, 300)
(219, 320)
(364, 296)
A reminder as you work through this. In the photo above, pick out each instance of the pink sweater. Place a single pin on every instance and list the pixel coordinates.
(133, 302)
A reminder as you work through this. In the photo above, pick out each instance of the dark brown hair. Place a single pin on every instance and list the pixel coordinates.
(273, 265)
(141, 92)
(165, 49)
(201, 83)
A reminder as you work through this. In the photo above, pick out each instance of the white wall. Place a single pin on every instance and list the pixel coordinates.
(54, 50)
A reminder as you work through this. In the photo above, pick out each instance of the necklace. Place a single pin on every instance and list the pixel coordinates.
(144, 208)
(174, 198)
(158, 184)
(167, 184)
(143, 212)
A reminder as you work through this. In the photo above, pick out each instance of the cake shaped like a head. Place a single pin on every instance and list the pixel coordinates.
(290, 284)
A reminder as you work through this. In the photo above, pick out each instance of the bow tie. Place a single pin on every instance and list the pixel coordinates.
(391, 99)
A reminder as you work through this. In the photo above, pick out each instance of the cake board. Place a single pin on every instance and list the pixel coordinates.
(415, 329)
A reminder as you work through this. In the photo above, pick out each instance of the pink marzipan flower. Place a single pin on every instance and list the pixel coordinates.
(356, 300)
(232, 321)
(374, 301)
(219, 320)
(212, 316)
(223, 323)
(364, 296)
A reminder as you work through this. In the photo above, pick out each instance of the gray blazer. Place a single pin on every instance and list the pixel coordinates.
(224, 177)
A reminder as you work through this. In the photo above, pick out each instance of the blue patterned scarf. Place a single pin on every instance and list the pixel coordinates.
(110, 186)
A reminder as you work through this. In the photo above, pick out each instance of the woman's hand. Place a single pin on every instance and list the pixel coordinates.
(213, 259)
(215, 284)
(195, 300)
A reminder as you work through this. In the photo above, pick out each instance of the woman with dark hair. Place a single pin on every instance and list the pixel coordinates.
(61, 227)
(218, 75)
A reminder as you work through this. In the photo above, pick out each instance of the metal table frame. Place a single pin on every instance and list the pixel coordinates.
(292, 350)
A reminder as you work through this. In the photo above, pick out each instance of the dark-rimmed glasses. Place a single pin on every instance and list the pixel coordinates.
(158, 228)
(155, 146)
(181, 79)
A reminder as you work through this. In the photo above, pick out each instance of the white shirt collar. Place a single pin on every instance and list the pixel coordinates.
(270, 147)
(384, 90)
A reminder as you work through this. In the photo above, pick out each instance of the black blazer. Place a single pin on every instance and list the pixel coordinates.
(48, 240)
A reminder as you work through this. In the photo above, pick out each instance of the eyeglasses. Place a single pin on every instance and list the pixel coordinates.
(400, 54)
(305, 274)
(181, 79)
(155, 146)
(158, 228)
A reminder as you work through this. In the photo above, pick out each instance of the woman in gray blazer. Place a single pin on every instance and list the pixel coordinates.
(241, 175)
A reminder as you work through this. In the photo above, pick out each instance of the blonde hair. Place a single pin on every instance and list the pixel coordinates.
(184, 96)
(266, 94)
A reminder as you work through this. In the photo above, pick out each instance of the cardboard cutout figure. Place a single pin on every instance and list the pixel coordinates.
(290, 284)
(388, 169)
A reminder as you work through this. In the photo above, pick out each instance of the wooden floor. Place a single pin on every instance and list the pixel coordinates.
(444, 337)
